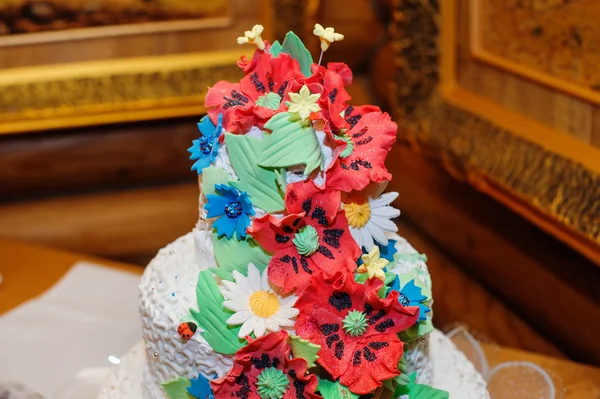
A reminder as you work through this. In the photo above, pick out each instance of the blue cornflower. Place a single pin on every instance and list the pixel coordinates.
(388, 251)
(410, 295)
(200, 388)
(205, 149)
(233, 209)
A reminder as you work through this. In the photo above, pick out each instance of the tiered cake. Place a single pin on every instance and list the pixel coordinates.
(294, 283)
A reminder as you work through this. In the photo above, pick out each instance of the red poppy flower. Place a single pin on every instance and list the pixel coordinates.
(371, 139)
(266, 361)
(313, 238)
(238, 101)
(357, 330)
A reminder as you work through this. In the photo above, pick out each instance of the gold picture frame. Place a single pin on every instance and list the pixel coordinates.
(113, 74)
(549, 176)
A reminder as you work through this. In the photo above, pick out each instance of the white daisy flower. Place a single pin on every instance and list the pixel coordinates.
(257, 306)
(369, 216)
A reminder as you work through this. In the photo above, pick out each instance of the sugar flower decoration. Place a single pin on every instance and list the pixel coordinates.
(410, 295)
(327, 36)
(311, 239)
(357, 330)
(256, 305)
(257, 97)
(263, 369)
(232, 208)
(200, 388)
(304, 103)
(205, 149)
(253, 37)
(373, 264)
(372, 136)
(369, 218)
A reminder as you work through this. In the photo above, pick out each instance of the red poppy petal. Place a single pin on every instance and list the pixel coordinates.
(250, 65)
(372, 361)
(319, 205)
(353, 114)
(227, 98)
(324, 328)
(341, 69)
(302, 385)
(236, 380)
(355, 172)
(337, 251)
(274, 233)
(337, 295)
(274, 345)
(374, 130)
(290, 271)
(387, 315)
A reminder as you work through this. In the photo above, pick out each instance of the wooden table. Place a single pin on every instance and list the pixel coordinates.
(29, 270)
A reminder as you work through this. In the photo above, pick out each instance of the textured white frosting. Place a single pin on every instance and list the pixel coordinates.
(168, 291)
(450, 370)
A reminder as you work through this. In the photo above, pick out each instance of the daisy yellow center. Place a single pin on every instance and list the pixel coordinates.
(264, 304)
(358, 214)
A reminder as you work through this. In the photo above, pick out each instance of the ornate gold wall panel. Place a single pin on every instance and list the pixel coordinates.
(535, 168)
(24, 16)
(557, 38)
(110, 91)
(109, 74)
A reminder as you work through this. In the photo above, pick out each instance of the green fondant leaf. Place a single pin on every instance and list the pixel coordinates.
(260, 183)
(419, 330)
(293, 46)
(235, 254)
(211, 316)
(269, 100)
(420, 391)
(389, 385)
(275, 48)
(304, 349)
(281, 183)
(211, 176)
(177, 388)
(403, 379)
(335, 390)
(290, 144)
(404, 385)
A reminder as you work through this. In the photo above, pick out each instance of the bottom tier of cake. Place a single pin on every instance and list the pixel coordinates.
(450, 371)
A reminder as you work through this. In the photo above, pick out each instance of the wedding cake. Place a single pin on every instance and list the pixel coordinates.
(294, 283)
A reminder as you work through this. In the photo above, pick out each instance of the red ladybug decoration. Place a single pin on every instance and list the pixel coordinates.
(186, 330)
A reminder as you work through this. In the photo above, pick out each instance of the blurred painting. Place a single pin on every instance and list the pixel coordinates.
(557, 38)
(34, 16)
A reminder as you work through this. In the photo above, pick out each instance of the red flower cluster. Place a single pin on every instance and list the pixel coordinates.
(335, 251)
(270, 351)
(237, 101)
(314, 253)
(360, 361)
(367, 131)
